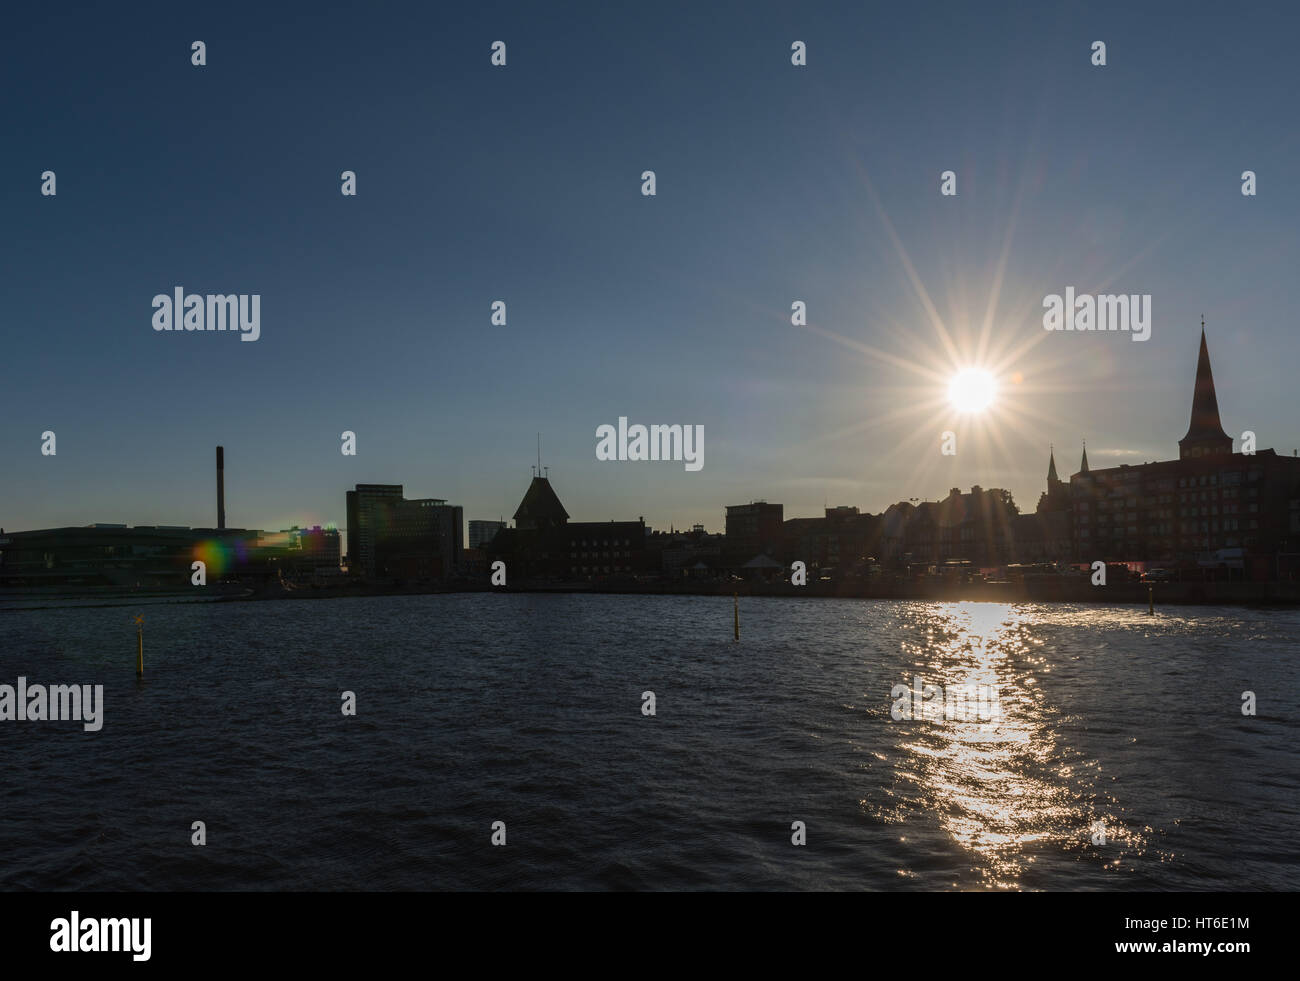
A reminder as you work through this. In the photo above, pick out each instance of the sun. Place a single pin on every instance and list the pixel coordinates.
(972, 390)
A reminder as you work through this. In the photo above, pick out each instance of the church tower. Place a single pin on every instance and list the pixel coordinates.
(1205, 435)
(1057, 495)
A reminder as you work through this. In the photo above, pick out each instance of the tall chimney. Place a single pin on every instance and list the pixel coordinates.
(221, 488)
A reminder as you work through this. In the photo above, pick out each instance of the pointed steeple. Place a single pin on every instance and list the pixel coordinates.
(1083, 467)
(1051, 467)
(1205, 435)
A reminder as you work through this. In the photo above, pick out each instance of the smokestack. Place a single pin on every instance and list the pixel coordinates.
(221, 488)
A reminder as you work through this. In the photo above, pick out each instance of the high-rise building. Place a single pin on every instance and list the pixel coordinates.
(392, 537)
(366, 513)
(419, 539)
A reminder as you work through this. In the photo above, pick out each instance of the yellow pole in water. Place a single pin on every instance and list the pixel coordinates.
(736, 599)
(139, 647)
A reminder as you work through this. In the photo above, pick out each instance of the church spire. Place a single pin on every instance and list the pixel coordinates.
(1083, 467)
(1051, 466)
(1205, 435)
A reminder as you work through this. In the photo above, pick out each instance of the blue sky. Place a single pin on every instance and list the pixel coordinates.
(522, 183)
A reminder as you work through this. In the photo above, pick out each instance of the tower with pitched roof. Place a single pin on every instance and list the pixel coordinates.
(1057, 495)
(1205, 435)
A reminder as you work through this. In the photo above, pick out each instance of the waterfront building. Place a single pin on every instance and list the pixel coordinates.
(366, 514)
(115, 555)
(1044, 536)
(841, 540)
(753, 529)
(302, 552)
(392, 537)
(545, 544)
(1211, 507)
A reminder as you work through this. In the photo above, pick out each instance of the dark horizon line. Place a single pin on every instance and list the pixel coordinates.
(343, 527)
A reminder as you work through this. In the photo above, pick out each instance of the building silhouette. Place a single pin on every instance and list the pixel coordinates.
(392, 537)
(545, 544)
(1210, 507)
(366, 516)
(114, 555)
(1205, 435)
(481, 533)
(540, 510)
(836, 542)
(753, 529)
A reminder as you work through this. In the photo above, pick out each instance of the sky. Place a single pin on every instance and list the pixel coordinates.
(522, 183)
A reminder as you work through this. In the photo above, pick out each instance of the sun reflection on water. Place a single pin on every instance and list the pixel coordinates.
(1003, 790)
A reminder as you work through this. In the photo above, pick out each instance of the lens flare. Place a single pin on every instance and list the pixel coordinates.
(972, 390)
(215, 555)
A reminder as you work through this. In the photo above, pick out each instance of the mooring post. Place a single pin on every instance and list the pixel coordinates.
(735, 597)
(139, 647)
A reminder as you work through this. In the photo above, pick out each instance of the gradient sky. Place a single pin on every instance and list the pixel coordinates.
(522, 183)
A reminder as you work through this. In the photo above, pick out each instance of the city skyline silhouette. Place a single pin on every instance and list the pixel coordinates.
(521, 184)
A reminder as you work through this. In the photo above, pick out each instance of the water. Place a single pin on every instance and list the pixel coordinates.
(527, 709)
